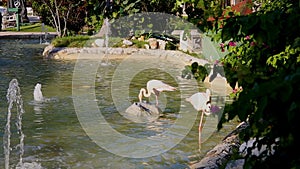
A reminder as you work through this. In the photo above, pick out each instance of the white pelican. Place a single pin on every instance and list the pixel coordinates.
(201, 102)
(155, 87)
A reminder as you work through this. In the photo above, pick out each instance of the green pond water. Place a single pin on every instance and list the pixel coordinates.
(54, 135)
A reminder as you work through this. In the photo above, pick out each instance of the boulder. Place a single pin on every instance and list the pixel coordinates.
(127, 42)
(142, 112)
(220, 155)
(162, 44)
(47, 50)
(153, 43)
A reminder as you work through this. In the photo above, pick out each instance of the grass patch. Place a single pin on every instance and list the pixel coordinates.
(80, 41)
(37, 27)
(139, 44)
(71, 41)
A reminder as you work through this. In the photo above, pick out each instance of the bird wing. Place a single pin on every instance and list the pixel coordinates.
(166, 88)
(198, 100)
(156, 92)
(159, 86)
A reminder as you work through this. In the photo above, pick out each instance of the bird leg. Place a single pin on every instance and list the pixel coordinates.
(200, 129)
(156, 93)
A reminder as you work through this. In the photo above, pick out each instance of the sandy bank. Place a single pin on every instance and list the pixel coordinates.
(115, 53)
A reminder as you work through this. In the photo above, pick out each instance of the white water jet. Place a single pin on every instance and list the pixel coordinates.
(107, 31)
(45, 31)
(37, 93)
(14, 97)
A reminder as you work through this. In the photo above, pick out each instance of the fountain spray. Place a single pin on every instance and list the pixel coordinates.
(14, 97)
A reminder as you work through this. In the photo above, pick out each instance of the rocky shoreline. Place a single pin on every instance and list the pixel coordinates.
(219, 156)
(63, 53)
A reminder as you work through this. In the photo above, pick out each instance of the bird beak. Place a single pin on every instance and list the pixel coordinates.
(207, 113)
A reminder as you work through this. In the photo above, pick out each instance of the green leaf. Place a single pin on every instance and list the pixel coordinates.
(125, 2)
(150, 25)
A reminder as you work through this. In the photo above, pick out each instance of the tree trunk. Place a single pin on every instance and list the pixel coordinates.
(66, 17)
(23, 14)
(58, 28)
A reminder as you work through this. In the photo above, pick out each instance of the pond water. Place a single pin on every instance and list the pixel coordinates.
(54, 134)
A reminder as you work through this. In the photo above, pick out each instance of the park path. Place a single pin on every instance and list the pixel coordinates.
(25, 35)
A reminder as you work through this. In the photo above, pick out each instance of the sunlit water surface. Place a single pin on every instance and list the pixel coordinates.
(54, 137)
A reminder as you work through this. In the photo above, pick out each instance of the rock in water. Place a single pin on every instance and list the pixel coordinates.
(142, 112)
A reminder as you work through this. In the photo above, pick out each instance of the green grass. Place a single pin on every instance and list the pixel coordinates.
(37, 27)
(71, 41)
(80, 41)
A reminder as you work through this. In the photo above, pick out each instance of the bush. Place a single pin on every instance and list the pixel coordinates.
(170, 46)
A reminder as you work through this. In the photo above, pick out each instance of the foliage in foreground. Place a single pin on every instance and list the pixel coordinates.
(263, 56)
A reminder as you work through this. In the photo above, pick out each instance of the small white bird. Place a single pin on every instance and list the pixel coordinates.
(201, 102)
(155, 87)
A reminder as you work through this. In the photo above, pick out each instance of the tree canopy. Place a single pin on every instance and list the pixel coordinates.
(64, 15)
(72, 15)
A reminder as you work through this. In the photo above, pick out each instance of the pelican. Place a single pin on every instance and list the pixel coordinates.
(155, 87)
(201, 101)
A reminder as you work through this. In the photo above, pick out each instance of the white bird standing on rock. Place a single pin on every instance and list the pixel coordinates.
(201, 102)
(155, 87)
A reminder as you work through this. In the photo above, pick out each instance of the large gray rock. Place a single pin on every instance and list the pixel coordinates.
(142, 112)
(220, 155)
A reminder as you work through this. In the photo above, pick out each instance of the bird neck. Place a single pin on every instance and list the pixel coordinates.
(145, 93)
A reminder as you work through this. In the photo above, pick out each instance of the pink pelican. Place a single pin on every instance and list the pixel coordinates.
(155, 87)
(201, 102)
